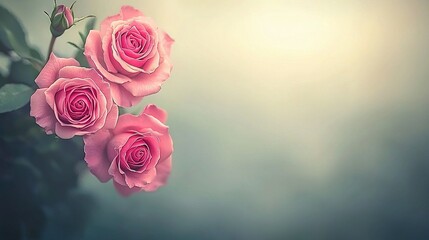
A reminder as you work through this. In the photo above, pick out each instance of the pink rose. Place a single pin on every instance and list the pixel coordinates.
(131, 53)
(72, 100)
(136, 153)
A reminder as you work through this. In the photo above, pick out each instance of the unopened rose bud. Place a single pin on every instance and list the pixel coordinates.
(62, 18)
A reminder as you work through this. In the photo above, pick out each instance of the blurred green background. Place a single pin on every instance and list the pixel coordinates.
(290, 119)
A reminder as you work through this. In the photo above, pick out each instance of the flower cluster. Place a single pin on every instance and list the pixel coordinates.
(129, 58)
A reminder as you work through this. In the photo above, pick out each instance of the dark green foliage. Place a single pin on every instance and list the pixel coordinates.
(23, 72)
(38, 179)
(9, 23)
(14, 96)
(39, 173)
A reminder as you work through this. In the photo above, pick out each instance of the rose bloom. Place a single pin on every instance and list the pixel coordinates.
(131, 53)
(136, 153)
(72, 100)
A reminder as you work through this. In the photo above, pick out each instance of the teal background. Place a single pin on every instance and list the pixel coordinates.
(290, 120)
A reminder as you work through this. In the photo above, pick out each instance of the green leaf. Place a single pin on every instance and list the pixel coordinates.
(2, 79)
(35, 63)
(15, 44)
(36, 54)
(122, 110)
(22, 162)
(89, 26)
(76, 46)
(12, 37)
(23, 72)
(14, 96)
(83, 35)
(81, 59)
(12, 34)
(4, 49)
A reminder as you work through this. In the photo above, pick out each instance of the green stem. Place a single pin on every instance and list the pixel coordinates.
(51, 47)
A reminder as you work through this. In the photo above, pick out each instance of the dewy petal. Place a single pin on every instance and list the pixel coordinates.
(40, 110)
(96, 154)
(156, 112)
(49, 72)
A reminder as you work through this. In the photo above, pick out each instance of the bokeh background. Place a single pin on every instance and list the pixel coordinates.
(291, 119)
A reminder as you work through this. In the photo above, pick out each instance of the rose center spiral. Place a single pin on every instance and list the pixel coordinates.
(138, 155)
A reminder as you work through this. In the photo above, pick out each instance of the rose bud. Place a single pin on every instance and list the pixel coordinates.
(62, 18)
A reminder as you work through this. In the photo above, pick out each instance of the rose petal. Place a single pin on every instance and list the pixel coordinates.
(96, 154)
(106, 42)
(122, 97)
(107, 22)
(125, 190)
(130, 12)
(156, 112)
(149, 59)
(154, 147)
(166, 146)
(49, 73)
(112, 118)
(117, 142)
(116, 173)
(92, 74)
(94, 55)
(163, 170)
(79, 72)
(167, 42)
(128, 122)
(66, 132)
(140, 179)
(40, 110)
(147, 84)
